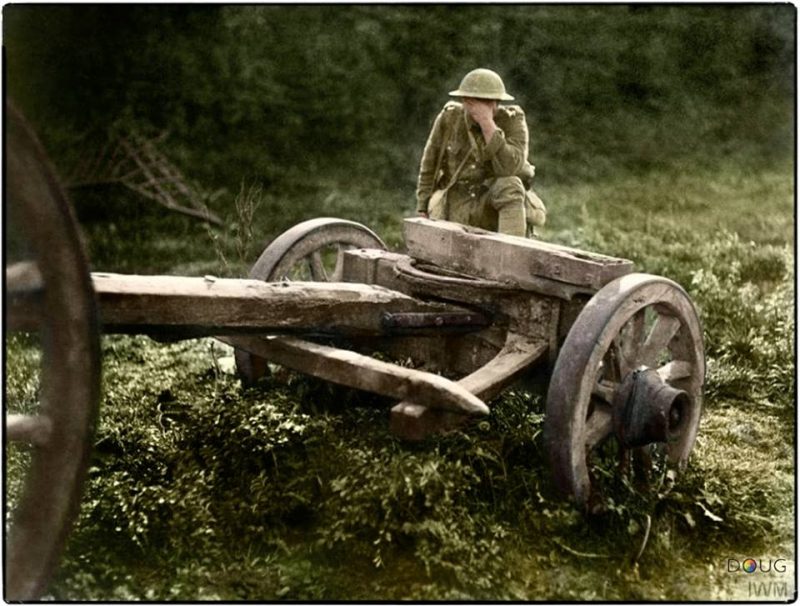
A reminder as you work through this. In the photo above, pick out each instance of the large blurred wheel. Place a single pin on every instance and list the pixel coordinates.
(49, 291)
(636, 322)
(312, 251)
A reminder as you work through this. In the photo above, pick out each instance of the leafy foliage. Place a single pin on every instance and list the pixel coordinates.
(276, 93)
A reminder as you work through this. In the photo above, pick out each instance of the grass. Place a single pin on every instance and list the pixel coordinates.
(296, 490)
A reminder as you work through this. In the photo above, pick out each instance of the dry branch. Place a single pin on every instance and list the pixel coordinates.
(135, 162)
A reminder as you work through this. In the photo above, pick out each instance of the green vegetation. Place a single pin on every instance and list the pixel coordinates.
(296, 490)
(661, 134)
(278, 94)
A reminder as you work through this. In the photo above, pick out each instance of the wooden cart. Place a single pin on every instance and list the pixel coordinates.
(623, 350)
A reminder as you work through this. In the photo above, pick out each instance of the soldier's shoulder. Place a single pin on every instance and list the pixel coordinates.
(450, 112)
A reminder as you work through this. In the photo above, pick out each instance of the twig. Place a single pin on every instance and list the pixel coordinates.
(136, 163)
(577, 553)
(647, 524)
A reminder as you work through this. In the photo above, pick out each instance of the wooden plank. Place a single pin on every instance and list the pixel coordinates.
(212, 306)
(362, 372)
(503, 258)
(517, 355)
(413, 421)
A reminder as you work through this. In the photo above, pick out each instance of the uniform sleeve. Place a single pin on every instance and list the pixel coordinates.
(427, 169)
(508, 148)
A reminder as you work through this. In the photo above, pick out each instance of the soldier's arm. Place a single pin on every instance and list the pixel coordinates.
(508, 148)
(427, 169)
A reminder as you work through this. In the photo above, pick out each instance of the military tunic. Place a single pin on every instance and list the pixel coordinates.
(487, 191)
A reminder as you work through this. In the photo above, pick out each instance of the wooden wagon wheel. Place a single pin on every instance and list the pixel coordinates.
(311, 251)
(636, 322)
(49, 290)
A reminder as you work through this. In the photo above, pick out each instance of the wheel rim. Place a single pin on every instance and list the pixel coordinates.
(637, 320)
(310, 251)
(56, 282)
(304, 243)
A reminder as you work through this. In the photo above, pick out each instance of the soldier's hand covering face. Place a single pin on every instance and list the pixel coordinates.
(480, 110)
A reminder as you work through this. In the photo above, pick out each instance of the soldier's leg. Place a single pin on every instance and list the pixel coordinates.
(458, 208)
(467, 206)
(507, 196)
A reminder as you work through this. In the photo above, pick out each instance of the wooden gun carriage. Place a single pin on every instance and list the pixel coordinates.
(474, 311)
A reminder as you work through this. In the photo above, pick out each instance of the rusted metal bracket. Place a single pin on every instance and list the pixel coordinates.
(411, 322)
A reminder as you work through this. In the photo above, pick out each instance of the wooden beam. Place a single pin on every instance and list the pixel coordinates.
(363, 372)
(519, 261)
(191, 307)
(413, 421)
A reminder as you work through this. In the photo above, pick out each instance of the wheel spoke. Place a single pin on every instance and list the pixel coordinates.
(318, 272)
(612, 362)
(35, 430)
(605, 391)
(663, 331)
(632, 342)
(24, 304)
(339, 269)
(22, 315)
(677, 369)
(23, 278)
(598, 425)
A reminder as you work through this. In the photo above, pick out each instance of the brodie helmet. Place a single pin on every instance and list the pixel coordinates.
(482, 83)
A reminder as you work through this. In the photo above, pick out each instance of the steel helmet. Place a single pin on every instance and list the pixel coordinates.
(482, 84)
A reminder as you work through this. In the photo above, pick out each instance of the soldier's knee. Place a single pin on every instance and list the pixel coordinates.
(506, 191)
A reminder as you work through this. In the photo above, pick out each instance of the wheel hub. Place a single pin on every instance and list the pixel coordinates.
(648, 410)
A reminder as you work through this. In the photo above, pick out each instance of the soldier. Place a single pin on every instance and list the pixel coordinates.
(474, 158)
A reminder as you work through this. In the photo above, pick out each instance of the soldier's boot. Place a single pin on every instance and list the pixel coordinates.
(507, 196)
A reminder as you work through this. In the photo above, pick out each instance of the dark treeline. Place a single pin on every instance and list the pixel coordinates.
(278, 92)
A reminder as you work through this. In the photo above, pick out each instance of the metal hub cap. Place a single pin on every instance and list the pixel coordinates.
(647, 410)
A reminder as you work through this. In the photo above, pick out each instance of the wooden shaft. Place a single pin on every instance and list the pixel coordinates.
(217, 306)
(363, 372)
(411, 421)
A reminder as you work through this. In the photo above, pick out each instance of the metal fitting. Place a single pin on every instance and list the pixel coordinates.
(648, 410)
